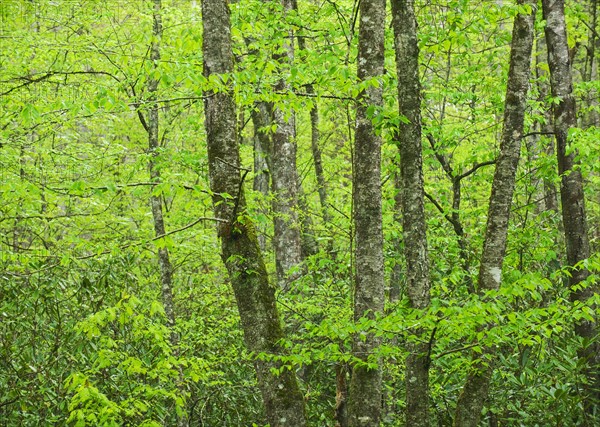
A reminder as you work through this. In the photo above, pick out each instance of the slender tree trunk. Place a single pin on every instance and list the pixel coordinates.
(590, 72)
(315, 135)
(396, 277)
(284, 174)
(166, 270)
(550, 193)
(454, 217)
(475, 391)
(413, 211)
(156, 201)
(571, 193)
(364, 406)
(241, 254)
(261, 117)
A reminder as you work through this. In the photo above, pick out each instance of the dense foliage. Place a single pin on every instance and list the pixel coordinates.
(84, 339)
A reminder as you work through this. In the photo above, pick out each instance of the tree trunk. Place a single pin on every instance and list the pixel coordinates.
(474, 393)
(413, 211)
(286, 239)
(261, 117)
(166, 270)
(364, 406)
(546, 140)
(316, 151)
(156, 201)
(241, 254)
(571, 192)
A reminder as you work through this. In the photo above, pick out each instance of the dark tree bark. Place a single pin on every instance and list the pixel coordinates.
(364, 406)
(474, 393)
(241, 254)
(413, 211)
(571, 192)
(287, 239)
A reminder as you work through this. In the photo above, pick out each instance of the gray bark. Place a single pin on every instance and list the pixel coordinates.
(364, 406)
(474, 393)
(286, 239)
(241, 254)
(571, 191)
(413, 211)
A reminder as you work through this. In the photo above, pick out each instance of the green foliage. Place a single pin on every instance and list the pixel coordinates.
(84, 340)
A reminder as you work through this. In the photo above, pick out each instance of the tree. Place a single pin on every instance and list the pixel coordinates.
(287, 239)
(475, 390)
(240, 250)
(571, 196)
(365, 386)
(413, 211)
(151, 125)
(102, 111)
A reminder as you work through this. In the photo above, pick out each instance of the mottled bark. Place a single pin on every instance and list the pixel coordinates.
(474, 393)
(241, 254)
(571, 191)
(413, 211)
(364, 406)
(284, 174)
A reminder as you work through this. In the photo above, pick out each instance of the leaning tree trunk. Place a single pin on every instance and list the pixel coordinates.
(241, 254)
(364, 406)
(571, 192)
(474, 393)
(413, 211)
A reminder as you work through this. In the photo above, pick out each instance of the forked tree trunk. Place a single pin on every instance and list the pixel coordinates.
(413, 211)
(241, 254)
(571, 194)
(364, 406)
(475, 391)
